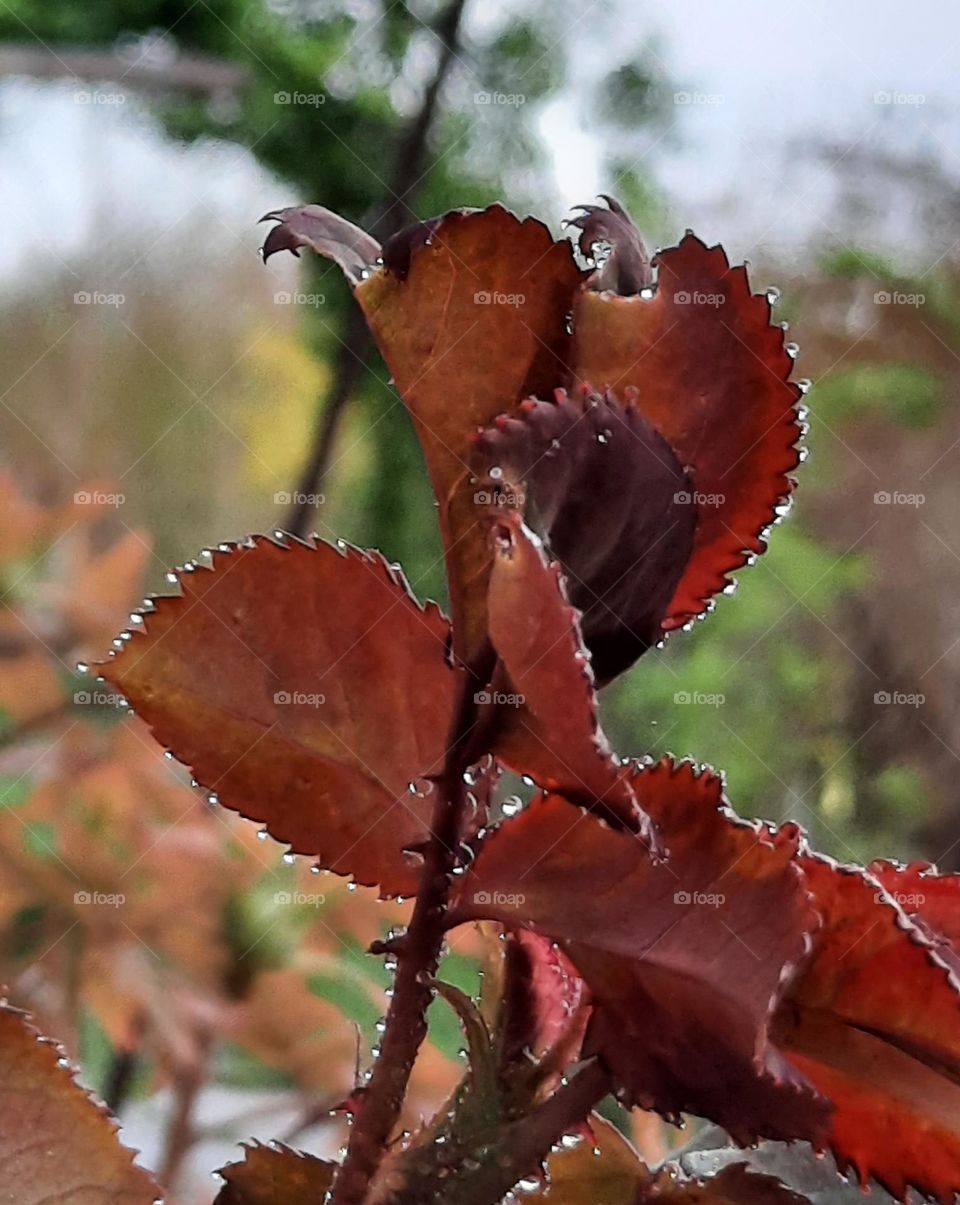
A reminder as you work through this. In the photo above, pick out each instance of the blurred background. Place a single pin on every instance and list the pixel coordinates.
(162, 390)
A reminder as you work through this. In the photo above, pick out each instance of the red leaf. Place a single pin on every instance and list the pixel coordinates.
(600, 486)
(470, 312)
(547, 724)
(712, 377)
(56, 1142)
(873, 1020)
(550, 1004)
(930, 899)
(685, 959)
(626, 269)
(308, 689)
(275, 1175)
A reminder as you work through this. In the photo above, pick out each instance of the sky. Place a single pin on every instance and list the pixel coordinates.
(752, 77)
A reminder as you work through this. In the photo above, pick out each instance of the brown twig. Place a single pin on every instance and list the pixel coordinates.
(406, 1021)
(181, 1135)
(394, 214)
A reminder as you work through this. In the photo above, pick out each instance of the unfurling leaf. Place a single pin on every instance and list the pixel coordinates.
(309, 690)
(627, 268)
(275, 1175)
(351, 249)
(873, 1021)
(711, 375)
(608, 497)
(685, 959)
(546, 710)
(56, 1142)
(549, 1005)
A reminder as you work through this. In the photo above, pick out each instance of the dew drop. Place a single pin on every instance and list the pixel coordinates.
(511, 805)
(773, 295)
(792, 350)
(171, 579)
(289, 858)
(495, 473)
(82, 667)
(262, 835)
(646, 293)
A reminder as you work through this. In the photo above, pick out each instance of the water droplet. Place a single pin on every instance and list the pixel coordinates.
(792, 350)
(495, 473)
(646, 293)
(262, 835)
(511, 805)
(773, 295)
(804, 384)
(289, 858)
(82, 667)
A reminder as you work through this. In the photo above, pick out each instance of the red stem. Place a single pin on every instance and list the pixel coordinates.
(417, 962)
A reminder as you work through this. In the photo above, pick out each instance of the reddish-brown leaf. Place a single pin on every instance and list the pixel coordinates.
(873, 1021)
(712, 376)
(548, 1005)
(608, 1171)
(275, 1175)
(56, 1142)
(351, 249)
(685, 959)
(626, 268)
(475, 321)
(309, 690)
(606, 494)
(546, 721)
(930, 899)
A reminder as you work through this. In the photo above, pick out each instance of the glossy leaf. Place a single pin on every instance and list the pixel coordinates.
(626, 267)
(549, 1005)
(608, 497)
(546, 710)
(873, 1021)
(685, 959)
(275, 1175)
(56, 1142)
(711, 374)
(470, 312)
(310, 691)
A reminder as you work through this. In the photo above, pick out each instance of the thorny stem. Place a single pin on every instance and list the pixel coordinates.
(417, 962)
(485, 1177)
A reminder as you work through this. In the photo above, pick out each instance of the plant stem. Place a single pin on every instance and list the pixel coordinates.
(417, 961)
(484, 1176)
